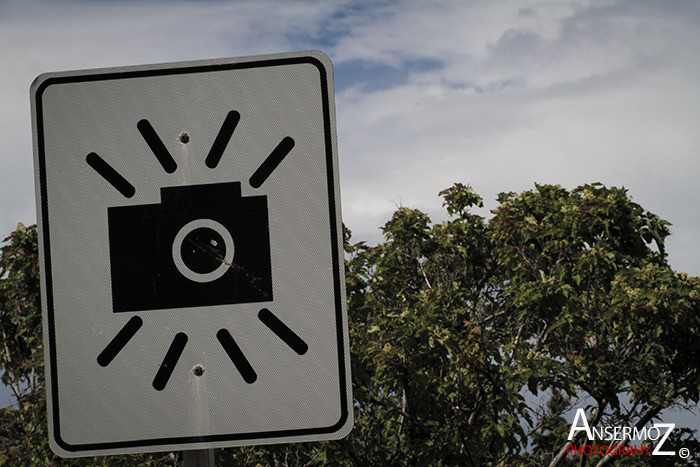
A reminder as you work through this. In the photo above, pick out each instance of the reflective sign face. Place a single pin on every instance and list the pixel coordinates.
(192, 264)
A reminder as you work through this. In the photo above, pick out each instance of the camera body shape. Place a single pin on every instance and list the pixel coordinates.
(203, 245)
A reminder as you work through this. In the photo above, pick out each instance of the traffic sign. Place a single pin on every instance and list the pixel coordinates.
(192, 269)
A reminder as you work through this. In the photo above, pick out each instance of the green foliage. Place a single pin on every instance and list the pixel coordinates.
(22, 352)
(459, 330)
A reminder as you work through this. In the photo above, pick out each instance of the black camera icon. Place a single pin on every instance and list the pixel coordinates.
(202, 245)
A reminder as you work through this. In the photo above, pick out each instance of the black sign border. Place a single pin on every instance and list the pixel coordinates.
(181, 70)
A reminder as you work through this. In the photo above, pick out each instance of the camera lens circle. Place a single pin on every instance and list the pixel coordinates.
(203, 250)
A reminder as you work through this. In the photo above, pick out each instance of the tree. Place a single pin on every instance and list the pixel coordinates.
(603, 313)
(460, 329)
(455, 323)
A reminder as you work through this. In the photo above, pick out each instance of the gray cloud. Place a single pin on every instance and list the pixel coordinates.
(496, 94)
(559, 93)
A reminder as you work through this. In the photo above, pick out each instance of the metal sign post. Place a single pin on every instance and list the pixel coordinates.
(200, 458)
(191, 255)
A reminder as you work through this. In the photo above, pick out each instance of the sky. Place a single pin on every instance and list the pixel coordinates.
(497, 95)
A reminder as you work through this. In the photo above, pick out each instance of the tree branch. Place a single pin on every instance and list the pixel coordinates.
(670, 396)
(593, 419)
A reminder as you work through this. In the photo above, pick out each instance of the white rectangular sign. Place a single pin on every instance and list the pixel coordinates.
(192, 268)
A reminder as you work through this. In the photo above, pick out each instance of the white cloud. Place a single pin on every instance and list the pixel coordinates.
(555, 93)
(546, 91)
(419, 29)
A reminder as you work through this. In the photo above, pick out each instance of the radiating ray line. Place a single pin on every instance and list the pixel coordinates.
(236, 355)
(170, 360)
(119, 341)
(222, 139)
(288, 336)
(157, 146)
(112, 176)
(271, 163)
